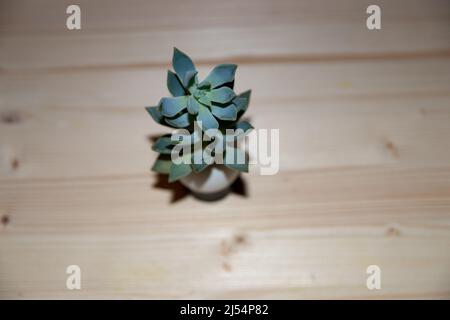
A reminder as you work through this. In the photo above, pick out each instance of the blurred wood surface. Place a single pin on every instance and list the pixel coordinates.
(364, 119)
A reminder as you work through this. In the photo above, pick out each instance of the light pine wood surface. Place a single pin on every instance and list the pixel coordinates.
(364, 119)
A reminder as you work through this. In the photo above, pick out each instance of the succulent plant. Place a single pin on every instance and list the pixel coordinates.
(211, 101)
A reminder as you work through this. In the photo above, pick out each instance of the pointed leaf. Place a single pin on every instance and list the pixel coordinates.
(221, 74)
(178, 171)
(163, 145)
(162, 165)
(182, 64)
(181, 121)
(241, 104)
(188, 139)
(207, 119)
(193, 105)
(224, 113)
(155, 113)
(174, 84)
(235, 161)
(244, 125)
(221, 95)
(238, 167)
(171, 106)
(242, 101)
(198, 167)
(189, 77)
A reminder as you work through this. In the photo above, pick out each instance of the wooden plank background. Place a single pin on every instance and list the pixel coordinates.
(364, 119)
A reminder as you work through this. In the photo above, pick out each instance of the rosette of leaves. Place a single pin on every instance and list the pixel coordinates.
(211, 101)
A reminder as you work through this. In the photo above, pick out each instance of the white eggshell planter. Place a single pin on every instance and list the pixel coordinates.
(212, 183)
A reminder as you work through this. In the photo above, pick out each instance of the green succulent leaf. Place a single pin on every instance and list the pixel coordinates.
(246, 94)
(204, 85)
(181, 121)
(221, 95)
(207, 119)
(162, 165)
(174, 84)
(164, 145)
(189, 139)
(228, 113)
(155, 113)
(193, 105)
(172, 106)
(182, 64)
(238, 167)
(242, 101)
(205, 100)
(244, 125)
(198, 167)
(189, 79)
(178, 171)
(221, 74)
(233, 163)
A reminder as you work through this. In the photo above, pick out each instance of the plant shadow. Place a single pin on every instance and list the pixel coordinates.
(176, 188)
(239, 187)
(179, 192)
(151, 138)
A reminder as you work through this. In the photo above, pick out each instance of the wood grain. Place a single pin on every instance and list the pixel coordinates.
(143, 33)
(364, 119)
